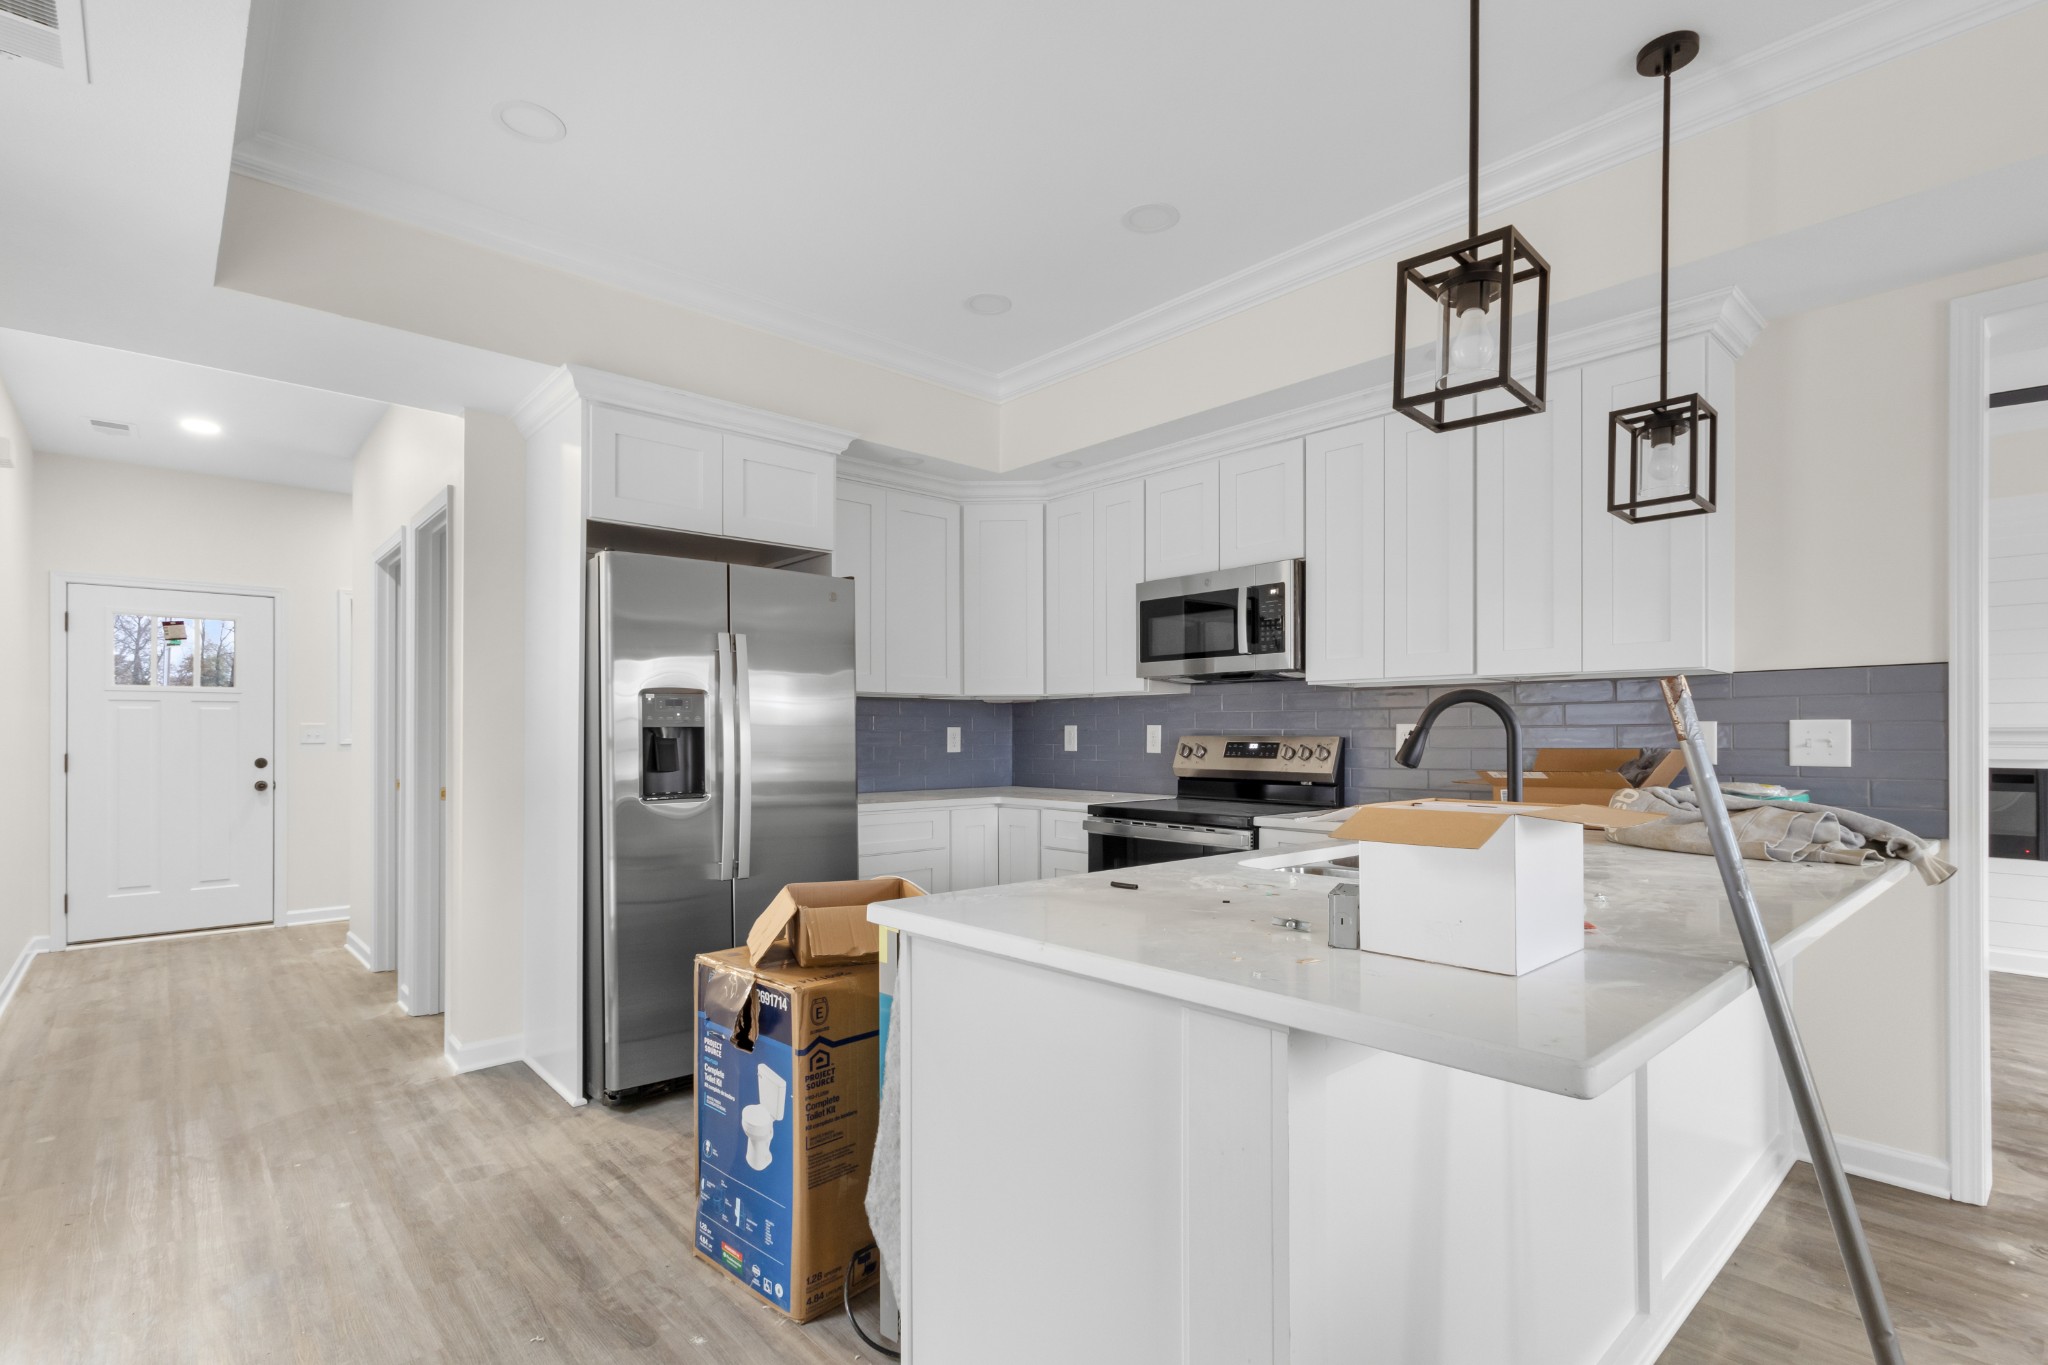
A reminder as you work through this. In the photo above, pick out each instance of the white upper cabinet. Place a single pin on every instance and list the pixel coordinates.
(1345, 617)
(646, 470)
(1071, 600)
(857, 548)
(1529, 514)
(1003, 599)
(777, 493)
(1180, 522)
(1429, 552)
(921, 596)
(1657, 597)
(1259, 504)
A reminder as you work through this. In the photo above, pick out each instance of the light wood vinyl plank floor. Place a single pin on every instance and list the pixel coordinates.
(233, 1148)
(1965, 1284)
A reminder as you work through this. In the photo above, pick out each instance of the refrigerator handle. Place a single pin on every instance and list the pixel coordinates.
(744, 712)
(728, 765)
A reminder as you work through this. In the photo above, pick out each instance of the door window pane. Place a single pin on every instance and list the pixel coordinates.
(174, 657)
(216, 653)
(134, 649)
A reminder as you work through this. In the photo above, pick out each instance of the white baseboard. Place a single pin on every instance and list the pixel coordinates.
(537, 1069)
(12, 982)
(359, 950)
(1894, 1166)
(466, 1057)
(2019, 961)
(319, 914)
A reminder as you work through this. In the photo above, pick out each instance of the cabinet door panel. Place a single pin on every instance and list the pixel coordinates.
(777, 493)
(928, 868)
(857, 546)
(1072, 603)
(1063, 831)
(1529, 508)
(921, 574)
(1017, 844)
(1260, 505)
(1003, 599)
(1180, 521)
(1346, 543)
(974, 858)
(655, 471)
(1058, 862)
(1121, 535)
(909, 831)
(1429, 552)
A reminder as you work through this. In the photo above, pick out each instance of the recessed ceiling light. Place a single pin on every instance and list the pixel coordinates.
(524, 118)
(199, 426)
(1152, 218)
(988, 305)
(1066, 464)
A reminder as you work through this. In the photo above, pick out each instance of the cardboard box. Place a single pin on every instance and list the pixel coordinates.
(1579, 777)
(1490, 885)
(825, 924)
(788, 1088)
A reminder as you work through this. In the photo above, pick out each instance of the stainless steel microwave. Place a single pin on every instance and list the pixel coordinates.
(1233, 623)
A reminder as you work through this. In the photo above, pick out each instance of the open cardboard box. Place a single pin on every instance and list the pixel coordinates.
(825, 924)
(1496, 886)
(1579, 777)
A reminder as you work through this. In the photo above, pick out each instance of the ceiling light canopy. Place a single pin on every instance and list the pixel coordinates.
(1467, 299)
(199, 426)
(1150, 218)
(533, 122)
(988, 305)
(1663, 458)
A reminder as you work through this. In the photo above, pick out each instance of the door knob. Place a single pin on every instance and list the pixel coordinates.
(263, 786)
(262, 762)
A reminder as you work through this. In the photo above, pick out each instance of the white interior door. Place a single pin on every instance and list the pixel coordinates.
(171, 780)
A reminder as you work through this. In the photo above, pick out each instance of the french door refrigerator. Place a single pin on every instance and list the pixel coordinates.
(720, 755)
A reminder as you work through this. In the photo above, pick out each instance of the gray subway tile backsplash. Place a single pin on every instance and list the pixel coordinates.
(1899, 744)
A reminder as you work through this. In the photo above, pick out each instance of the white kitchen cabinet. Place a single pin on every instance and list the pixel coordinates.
(777, 493)
(921, 595)
(1073, 605)
(1017, 844)
(1180, 521)
(858, 542)
(890, 831)
(1429, 552)
(975, 855)
(1345, 611)
(1003, 599)
(1529, 516)
(1259, 505)
(1280, 840)
(1657, 598)
(929, 868)
(1062, 830)
(1060, 862)
(647, 470)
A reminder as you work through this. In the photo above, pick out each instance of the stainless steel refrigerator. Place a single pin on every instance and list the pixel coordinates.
(720, 754)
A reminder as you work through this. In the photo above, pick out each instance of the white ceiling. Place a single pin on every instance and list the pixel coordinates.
(273, 432)
(850, 174)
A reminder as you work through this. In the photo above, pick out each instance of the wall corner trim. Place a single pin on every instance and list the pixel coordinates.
(358, 949)
(35, 947)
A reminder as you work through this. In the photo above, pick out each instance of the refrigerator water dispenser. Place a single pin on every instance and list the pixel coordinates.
(671, 744)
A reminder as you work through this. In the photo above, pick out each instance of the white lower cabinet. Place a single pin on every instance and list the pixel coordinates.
(1280, 840)
(1017, 846)
(976, 858)
(1061, 862)
(929, 868)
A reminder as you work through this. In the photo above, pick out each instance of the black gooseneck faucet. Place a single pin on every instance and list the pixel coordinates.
(1409, 755)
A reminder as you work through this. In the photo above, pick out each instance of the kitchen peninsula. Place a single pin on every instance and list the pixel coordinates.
(1149, 1116)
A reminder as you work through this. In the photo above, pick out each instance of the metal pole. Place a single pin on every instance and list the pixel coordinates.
(1472, 133)
(1763, 967)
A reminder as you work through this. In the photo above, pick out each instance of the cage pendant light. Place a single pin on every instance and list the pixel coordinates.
(1663, 458)
(1467, 301)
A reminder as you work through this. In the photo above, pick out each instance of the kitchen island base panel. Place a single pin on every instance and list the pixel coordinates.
(1098, 1173)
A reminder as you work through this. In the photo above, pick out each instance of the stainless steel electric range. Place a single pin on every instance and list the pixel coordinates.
(1225, 782)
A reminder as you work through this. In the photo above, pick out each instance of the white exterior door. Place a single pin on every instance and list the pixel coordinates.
(170, 775)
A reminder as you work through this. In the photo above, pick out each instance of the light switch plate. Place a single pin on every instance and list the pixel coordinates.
(1073, 738)
(1820, 744)
(952, 739)
(1152, 739)
(312, 733)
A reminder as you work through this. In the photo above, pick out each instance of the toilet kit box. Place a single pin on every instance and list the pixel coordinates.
(788, 1089)
(1492, 885)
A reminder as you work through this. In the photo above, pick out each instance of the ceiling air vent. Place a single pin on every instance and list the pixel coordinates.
(50, 31)
(100, 424)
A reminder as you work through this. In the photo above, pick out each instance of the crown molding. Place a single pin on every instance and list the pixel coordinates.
(573, 383)
(283, 162)
(1725, 316)
(1715, 95)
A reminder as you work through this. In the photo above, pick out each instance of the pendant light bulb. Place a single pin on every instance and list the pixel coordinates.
(1661, 465)
(1475, 344)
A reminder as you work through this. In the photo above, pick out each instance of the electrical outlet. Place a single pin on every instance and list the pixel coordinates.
(1820, 744)
(1072, 738)
(1152, 739)
(1401, 733)
(952, 739)
(1710, 731)
(312, 733)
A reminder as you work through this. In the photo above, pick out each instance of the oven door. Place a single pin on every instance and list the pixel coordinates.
(1114, 843)
(1235, 621)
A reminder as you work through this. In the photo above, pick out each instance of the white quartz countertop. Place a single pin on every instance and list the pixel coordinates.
(1039, 796)
(1662, 958)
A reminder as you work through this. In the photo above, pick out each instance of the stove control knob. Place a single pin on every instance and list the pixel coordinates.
(1322, 753)
(1201, 751)
(1187, 751)
(1287, 753)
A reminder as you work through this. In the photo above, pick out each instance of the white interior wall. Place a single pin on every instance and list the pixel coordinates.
(2019, 614)
(24, 744)
(2019, 463)
(97, 516)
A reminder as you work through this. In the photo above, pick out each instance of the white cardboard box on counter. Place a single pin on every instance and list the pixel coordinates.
(1490, 885)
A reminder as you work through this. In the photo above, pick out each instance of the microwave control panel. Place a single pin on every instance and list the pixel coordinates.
(1268, 626)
